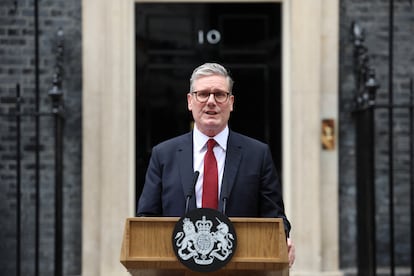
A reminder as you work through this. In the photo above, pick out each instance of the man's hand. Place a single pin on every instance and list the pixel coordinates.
(291, 251)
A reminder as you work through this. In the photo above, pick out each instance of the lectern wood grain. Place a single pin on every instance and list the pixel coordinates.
(261, 246)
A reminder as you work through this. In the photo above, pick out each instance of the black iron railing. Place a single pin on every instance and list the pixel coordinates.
(366, 107)
(57, 112)
(366, 88)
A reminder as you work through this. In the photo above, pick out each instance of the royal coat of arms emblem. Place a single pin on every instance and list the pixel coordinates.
(204, 240)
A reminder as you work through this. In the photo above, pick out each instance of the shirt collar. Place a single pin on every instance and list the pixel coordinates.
(201, 139)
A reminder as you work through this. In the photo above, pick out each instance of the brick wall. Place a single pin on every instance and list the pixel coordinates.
(373, 16)
(17, 60)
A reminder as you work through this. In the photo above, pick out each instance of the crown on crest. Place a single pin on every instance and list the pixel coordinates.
(204, 225)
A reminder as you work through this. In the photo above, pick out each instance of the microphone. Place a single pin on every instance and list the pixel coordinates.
(191, 192)
(225, 194)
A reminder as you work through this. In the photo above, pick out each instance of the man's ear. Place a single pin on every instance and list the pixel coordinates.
(189, 102)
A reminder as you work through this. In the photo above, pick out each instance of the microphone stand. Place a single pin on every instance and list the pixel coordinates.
(190, 194)
(225, 196)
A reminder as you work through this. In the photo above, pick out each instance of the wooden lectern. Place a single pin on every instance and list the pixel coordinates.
(261, 248)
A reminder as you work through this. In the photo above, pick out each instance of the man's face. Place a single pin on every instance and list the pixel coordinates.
(210, 117)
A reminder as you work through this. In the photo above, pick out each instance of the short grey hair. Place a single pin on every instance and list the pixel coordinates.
(209, 69)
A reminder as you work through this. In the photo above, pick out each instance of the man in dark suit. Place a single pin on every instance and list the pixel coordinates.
(245, 174)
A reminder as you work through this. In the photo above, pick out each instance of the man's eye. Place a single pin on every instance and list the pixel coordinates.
(220, 95)
(203, 95)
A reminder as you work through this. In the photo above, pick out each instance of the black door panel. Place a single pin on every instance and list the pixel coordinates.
(172, 39)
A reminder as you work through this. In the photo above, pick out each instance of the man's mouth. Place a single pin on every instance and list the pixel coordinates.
(211, 112)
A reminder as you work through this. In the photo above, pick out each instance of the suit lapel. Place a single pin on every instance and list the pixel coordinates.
(185, 163)
(231, 166)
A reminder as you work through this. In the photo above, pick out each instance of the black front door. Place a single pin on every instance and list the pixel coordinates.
(173, 39)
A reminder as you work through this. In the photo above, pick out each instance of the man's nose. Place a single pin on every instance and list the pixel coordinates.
(211, 98)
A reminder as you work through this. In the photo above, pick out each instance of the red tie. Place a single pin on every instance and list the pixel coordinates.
(210, 179)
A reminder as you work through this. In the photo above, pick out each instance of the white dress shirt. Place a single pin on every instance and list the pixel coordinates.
(199, 150)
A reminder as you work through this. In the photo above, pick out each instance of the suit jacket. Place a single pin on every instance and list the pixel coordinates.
(250, 179)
